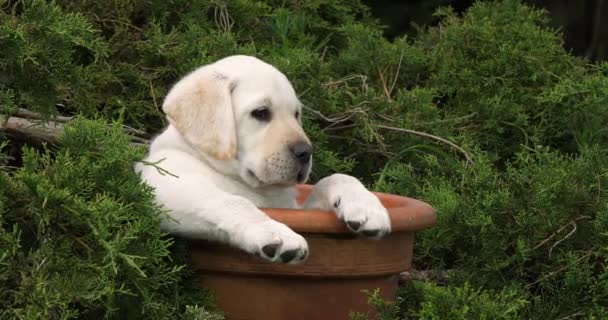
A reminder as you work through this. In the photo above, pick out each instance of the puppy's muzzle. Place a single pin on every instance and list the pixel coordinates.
(302, 152)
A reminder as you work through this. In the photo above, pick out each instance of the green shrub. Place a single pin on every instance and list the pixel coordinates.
(80, 235)
(526, 219)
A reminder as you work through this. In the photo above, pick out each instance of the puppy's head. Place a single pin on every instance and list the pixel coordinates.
(243, 111)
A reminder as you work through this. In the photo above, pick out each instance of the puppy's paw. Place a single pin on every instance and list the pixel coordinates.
(362, 211)
(275, 242)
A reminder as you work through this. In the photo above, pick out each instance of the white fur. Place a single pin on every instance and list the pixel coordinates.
(215, 164)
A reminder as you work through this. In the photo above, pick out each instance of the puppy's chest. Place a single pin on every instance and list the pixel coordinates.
(269, 198)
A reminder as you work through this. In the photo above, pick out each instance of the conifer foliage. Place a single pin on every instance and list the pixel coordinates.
(81, 238)
(485, 116)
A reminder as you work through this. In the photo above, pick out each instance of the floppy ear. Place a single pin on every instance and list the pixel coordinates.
(200, 107)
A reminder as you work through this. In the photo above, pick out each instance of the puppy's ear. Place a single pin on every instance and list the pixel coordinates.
(200, 107)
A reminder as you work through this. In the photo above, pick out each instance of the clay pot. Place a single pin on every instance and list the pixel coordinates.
(329, 284)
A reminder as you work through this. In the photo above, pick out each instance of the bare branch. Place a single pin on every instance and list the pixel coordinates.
(553, 235)
(560, 270)
(343, 117)
(573, 224)
(390, 91)
(32, 126)
(384, 87)
(441, 276)
(24, 113)
(575, 315)
(42, 131)
(434, 137)
(361, 77)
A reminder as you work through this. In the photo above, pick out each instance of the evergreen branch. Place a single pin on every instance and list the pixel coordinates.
(116, 21)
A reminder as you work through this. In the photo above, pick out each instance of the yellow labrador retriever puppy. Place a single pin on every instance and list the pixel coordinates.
(235, 143)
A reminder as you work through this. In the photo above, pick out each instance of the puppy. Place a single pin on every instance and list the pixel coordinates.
(235, 143)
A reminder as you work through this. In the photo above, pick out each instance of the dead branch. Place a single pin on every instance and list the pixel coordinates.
(345, 80)
(33, 126)
(24, 113)
(390, 90)
(575, 315)
(553, 235)
(430, 136)
(441, 276)
(40, 131)
(222, 17)
(558, 271)
(337, 119)
(384, 87)
(346, 116)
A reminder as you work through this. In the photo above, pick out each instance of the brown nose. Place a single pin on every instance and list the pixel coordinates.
(301, 151)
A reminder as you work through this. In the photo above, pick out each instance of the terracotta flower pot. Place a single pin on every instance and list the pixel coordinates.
(329, 284)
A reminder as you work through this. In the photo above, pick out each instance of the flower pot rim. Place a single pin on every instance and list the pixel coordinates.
(406, 214)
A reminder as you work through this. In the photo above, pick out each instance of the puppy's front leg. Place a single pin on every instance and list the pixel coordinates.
(199, 210)
(360, 209)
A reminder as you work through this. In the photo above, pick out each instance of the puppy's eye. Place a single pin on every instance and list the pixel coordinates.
(297, 114)
(261, 114)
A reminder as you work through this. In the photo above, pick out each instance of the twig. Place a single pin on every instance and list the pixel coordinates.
(223, 20)
(338, 128)
(346, 79)
(419, 133)
(564, 238)
(426, 275)
(553, 273)
(553, 235)
(162, 171)
(384, 88)
(24, 113)
(128, 25)
(434, 137)
(447, 120)
(572, 316)
(390, 91)
(155, 103)
(337, 119)
(134, 131)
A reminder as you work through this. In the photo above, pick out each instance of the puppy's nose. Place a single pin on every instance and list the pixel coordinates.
(301, 151)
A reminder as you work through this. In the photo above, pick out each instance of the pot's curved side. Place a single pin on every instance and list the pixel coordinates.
(328, 284)
(335, 256)
(245, 297)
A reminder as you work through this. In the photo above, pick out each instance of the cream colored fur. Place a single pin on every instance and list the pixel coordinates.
(224, 163)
